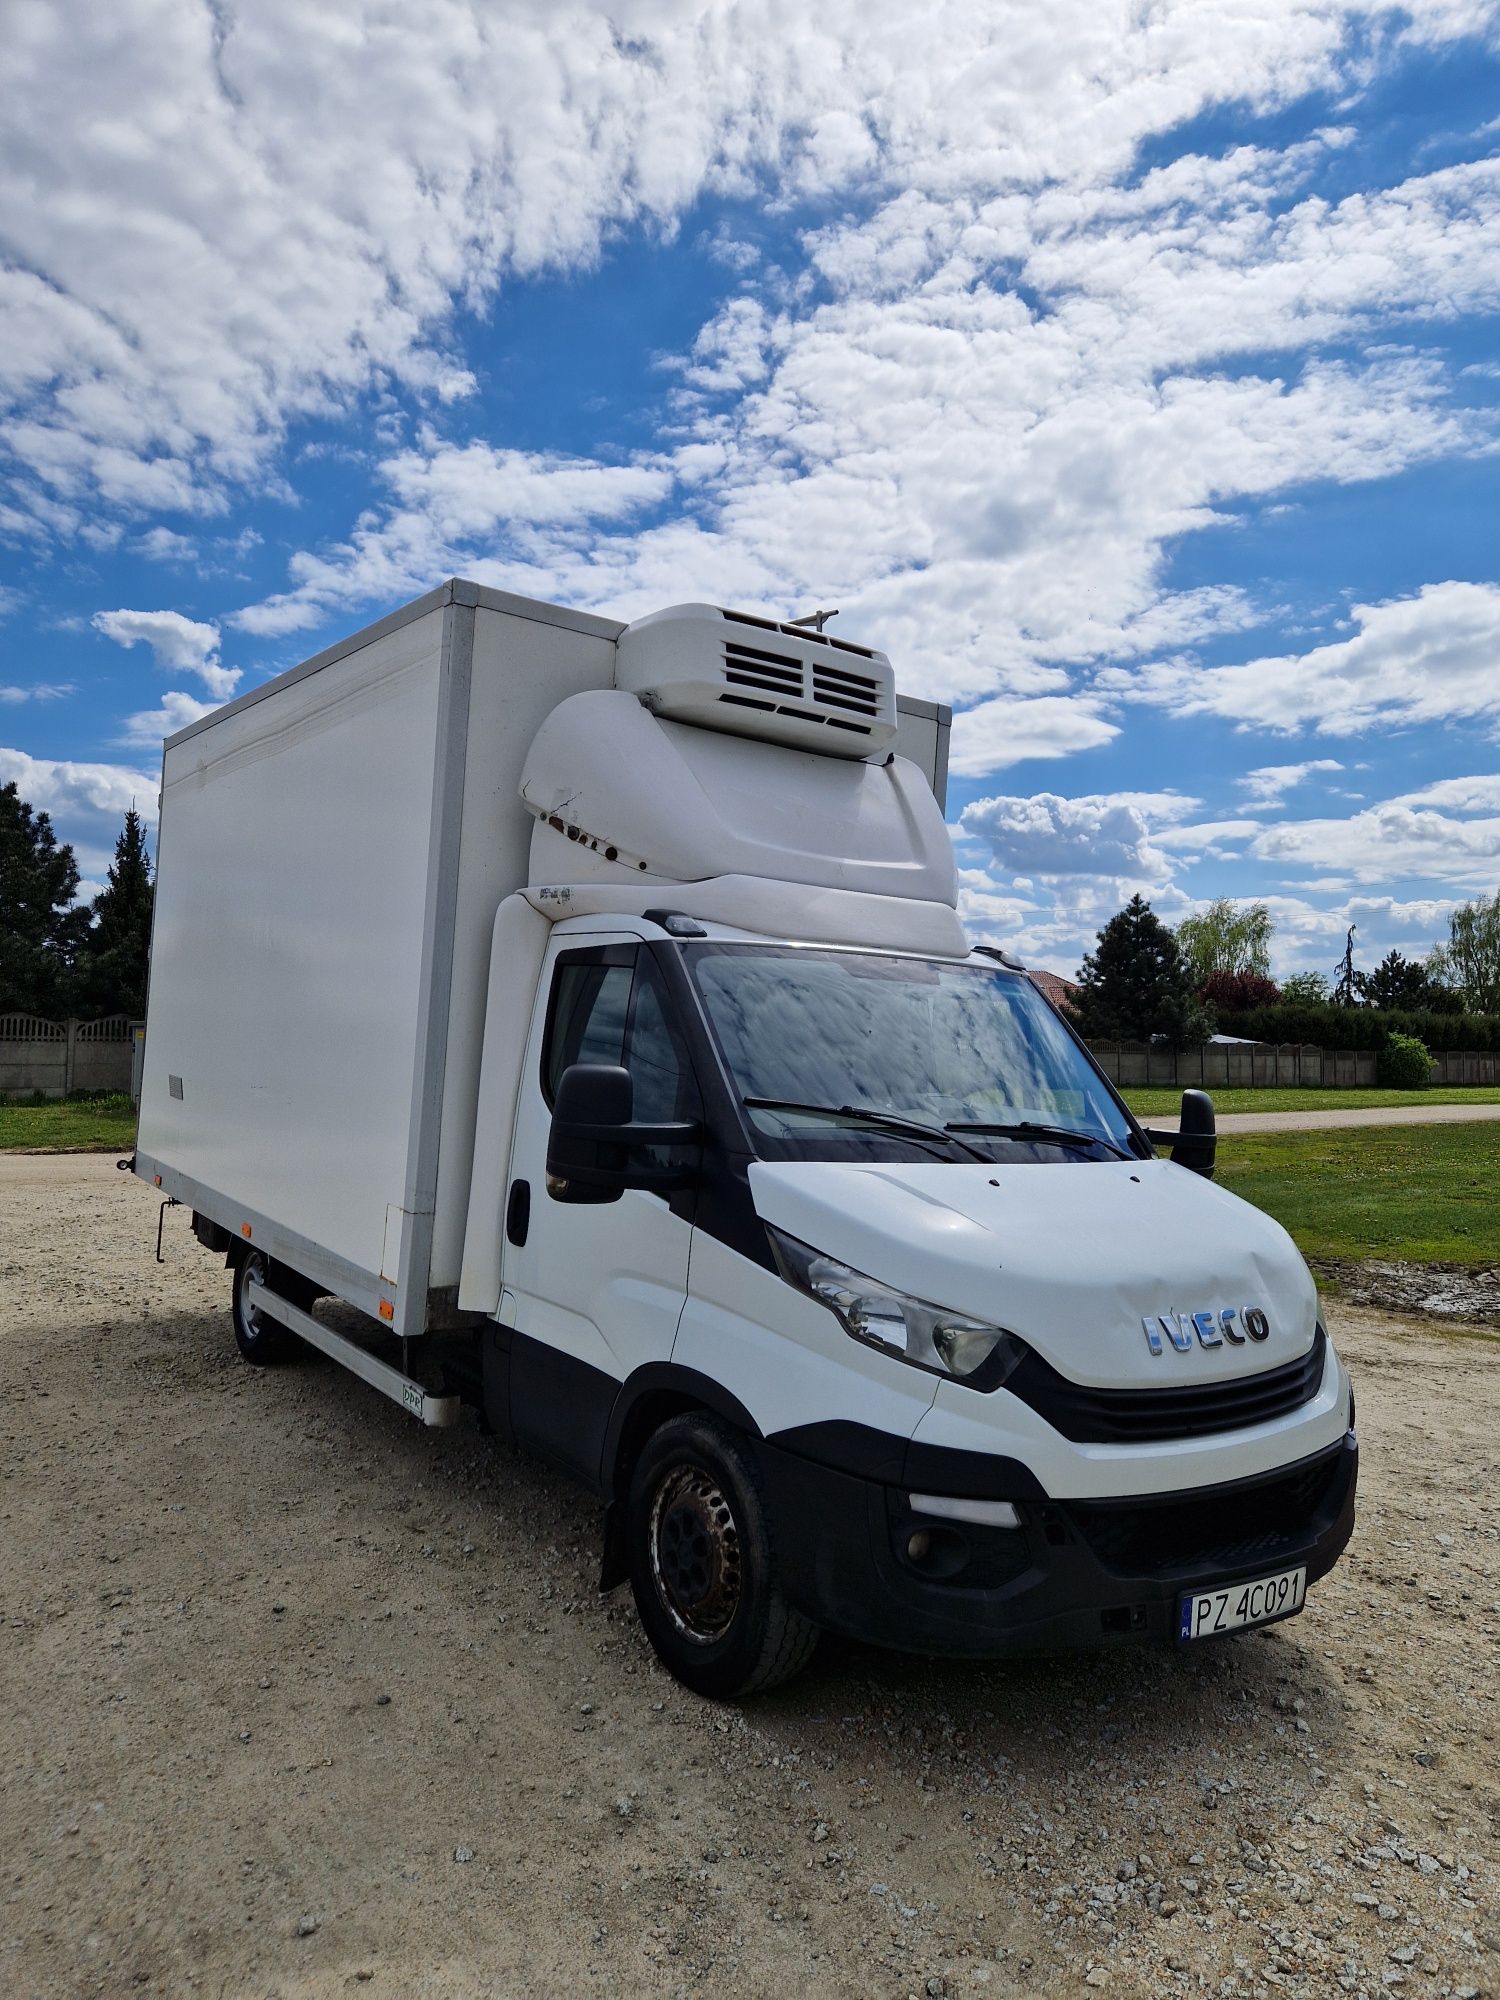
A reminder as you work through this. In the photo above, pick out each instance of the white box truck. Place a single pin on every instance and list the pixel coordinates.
(587, 1006)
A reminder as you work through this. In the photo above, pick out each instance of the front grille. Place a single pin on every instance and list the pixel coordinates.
(1252, 1521)
(1151, 1416)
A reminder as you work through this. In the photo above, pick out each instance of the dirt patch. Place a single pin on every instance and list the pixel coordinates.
(1446, 1291)
(301, 1700)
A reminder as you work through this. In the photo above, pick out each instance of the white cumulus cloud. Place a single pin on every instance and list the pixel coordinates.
(148, 727)
(1389, 842)
(37, 691)
(1009, 731)
(78, 791)
(1432, 657)
(1270, 784)
(1480, 793)
(1047, 835)
(447, 501)
(178, 643)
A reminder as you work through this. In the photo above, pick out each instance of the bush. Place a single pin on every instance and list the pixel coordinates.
(1234, 992)
(1327, 1026)
(1404, 1063)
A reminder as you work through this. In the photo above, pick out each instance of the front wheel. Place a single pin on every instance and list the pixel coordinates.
(702, 1565)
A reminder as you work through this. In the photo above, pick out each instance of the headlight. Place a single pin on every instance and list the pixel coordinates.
(928, 1336)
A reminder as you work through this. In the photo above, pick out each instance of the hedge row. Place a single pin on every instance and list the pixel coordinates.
(1333, 1027)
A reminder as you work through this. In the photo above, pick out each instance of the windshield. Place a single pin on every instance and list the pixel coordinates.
(833, 1051)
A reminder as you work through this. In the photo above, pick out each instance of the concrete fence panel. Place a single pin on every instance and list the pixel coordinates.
(1466, 1066)
(1260, 1066)
(101, 1054)
(55, 1057)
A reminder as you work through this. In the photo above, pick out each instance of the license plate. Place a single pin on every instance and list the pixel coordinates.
(1207, 1612)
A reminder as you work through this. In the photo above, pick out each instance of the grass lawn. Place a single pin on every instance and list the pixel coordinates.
(1156, 1103)
(1425, 1194)
(76, 1125)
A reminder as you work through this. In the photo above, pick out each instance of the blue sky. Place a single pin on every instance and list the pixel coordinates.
(1129, 375)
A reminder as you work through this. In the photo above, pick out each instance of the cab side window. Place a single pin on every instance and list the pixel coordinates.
(608, 1006)
(590, 1006)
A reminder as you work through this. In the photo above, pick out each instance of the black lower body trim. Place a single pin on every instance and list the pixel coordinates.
(929, 1468)
(550, 1402)
(1054, 1584)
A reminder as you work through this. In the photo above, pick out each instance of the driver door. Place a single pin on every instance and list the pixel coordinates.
(592, 1291)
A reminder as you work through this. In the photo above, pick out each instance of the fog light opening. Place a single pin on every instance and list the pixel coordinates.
(919, 1545)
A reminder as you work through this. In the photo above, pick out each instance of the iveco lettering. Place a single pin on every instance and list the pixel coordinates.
(586, 1006)
(1212, 1328)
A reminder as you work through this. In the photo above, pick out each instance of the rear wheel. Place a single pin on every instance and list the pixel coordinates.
(260, 1338)
(703, 1567)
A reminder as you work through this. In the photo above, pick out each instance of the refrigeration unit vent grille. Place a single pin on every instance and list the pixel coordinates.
(720, 670)
(744, 667)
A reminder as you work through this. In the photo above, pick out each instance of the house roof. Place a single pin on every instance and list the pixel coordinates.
(1058, 990)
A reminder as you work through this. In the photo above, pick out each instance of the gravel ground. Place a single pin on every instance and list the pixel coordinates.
(302, 1700)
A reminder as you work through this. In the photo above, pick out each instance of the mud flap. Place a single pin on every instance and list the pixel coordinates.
(614, 1564)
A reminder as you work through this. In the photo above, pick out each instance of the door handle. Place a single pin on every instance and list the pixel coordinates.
(518, 1213)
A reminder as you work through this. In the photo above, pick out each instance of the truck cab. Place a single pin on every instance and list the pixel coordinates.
(851, 1285)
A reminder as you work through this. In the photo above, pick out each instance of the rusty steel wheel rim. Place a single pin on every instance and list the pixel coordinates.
(695, 1554)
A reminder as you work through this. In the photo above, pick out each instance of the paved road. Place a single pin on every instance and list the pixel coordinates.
(1323, 1121)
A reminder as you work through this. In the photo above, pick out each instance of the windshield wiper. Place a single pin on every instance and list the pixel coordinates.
(890, 1121)
(1028, 1128)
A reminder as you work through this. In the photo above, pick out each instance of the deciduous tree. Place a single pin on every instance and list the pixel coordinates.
(1470, 961)
(1304, 989)
(1226, 937)
(1233, 992)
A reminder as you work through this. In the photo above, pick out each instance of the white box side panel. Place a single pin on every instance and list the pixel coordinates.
(288, 945)
(922, 736)
(522, 668)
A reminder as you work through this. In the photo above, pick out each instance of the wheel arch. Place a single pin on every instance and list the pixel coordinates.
(660, 1390)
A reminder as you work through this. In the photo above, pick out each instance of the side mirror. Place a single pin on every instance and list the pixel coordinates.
(1195, 1143)
(594, 1147)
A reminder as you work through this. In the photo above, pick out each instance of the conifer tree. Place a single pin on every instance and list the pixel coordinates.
(1135, 986)
(41, 933)
(119, 945)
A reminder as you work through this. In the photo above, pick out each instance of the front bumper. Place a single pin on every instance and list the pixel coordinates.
(1074, 1575)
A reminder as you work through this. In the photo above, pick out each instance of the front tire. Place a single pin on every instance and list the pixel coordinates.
(703, 1567)
(260, 1339)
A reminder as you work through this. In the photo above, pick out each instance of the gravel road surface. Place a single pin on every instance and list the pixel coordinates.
(301, 1700)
